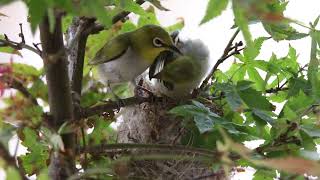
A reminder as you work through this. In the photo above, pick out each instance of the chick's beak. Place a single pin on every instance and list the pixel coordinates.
(173, 48)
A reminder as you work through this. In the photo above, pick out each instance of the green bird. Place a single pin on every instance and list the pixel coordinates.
(128, 55)
(180, 74)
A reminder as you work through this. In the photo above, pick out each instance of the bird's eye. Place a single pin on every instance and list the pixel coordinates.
(157, 42)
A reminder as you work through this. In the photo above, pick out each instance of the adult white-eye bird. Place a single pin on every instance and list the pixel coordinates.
(128, 55)
(181, 74)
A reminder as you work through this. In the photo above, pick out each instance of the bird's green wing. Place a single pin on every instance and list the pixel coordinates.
(180, 70)
(112, 50)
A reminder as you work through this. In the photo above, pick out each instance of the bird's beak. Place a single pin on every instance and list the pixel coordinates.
(173, 48)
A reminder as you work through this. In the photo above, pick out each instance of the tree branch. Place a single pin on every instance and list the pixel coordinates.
(228, 52)
(14, 83)
(5, 155)
(162, 147)
(276, 90)
(110, 106)
(18, 45)
(60, 101)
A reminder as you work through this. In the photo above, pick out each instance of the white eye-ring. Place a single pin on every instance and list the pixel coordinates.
(157, 42)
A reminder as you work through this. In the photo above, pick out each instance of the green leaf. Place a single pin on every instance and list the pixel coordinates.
(253, 98)
(232, 96)
(278, 97)
(33, 114)
(157, 4)
(36, 13)
(127, 27)
(25, 70)
(39, 90)
(177, 26)
(251, 52)
(312, 131)
(196, 109)
(97, 9)
(10, 50)
(68, 6)
(38, 155)
(298, 84)
(255, 77)
(262, 174)
(316, 21)
(263, 115)
(283, 31)
(203, 124)
(149, 18)
(131, 6)
(214, 9)
(205, 119)
(296, 105)
(307, 141)
(236, 72)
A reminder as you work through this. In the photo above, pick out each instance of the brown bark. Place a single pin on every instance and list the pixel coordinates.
(55, 63)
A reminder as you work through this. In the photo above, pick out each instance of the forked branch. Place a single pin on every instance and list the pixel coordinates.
(6, 42)
(229, 51)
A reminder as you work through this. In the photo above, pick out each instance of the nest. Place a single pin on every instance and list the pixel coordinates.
(149, 123)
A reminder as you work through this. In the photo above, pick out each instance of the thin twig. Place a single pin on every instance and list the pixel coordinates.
(14, 83)
(110, 106)
(276, 90)
(226, 54)
(36, 45)
(23, 41)
(282, 88)
(18, 45)
(84, 147)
